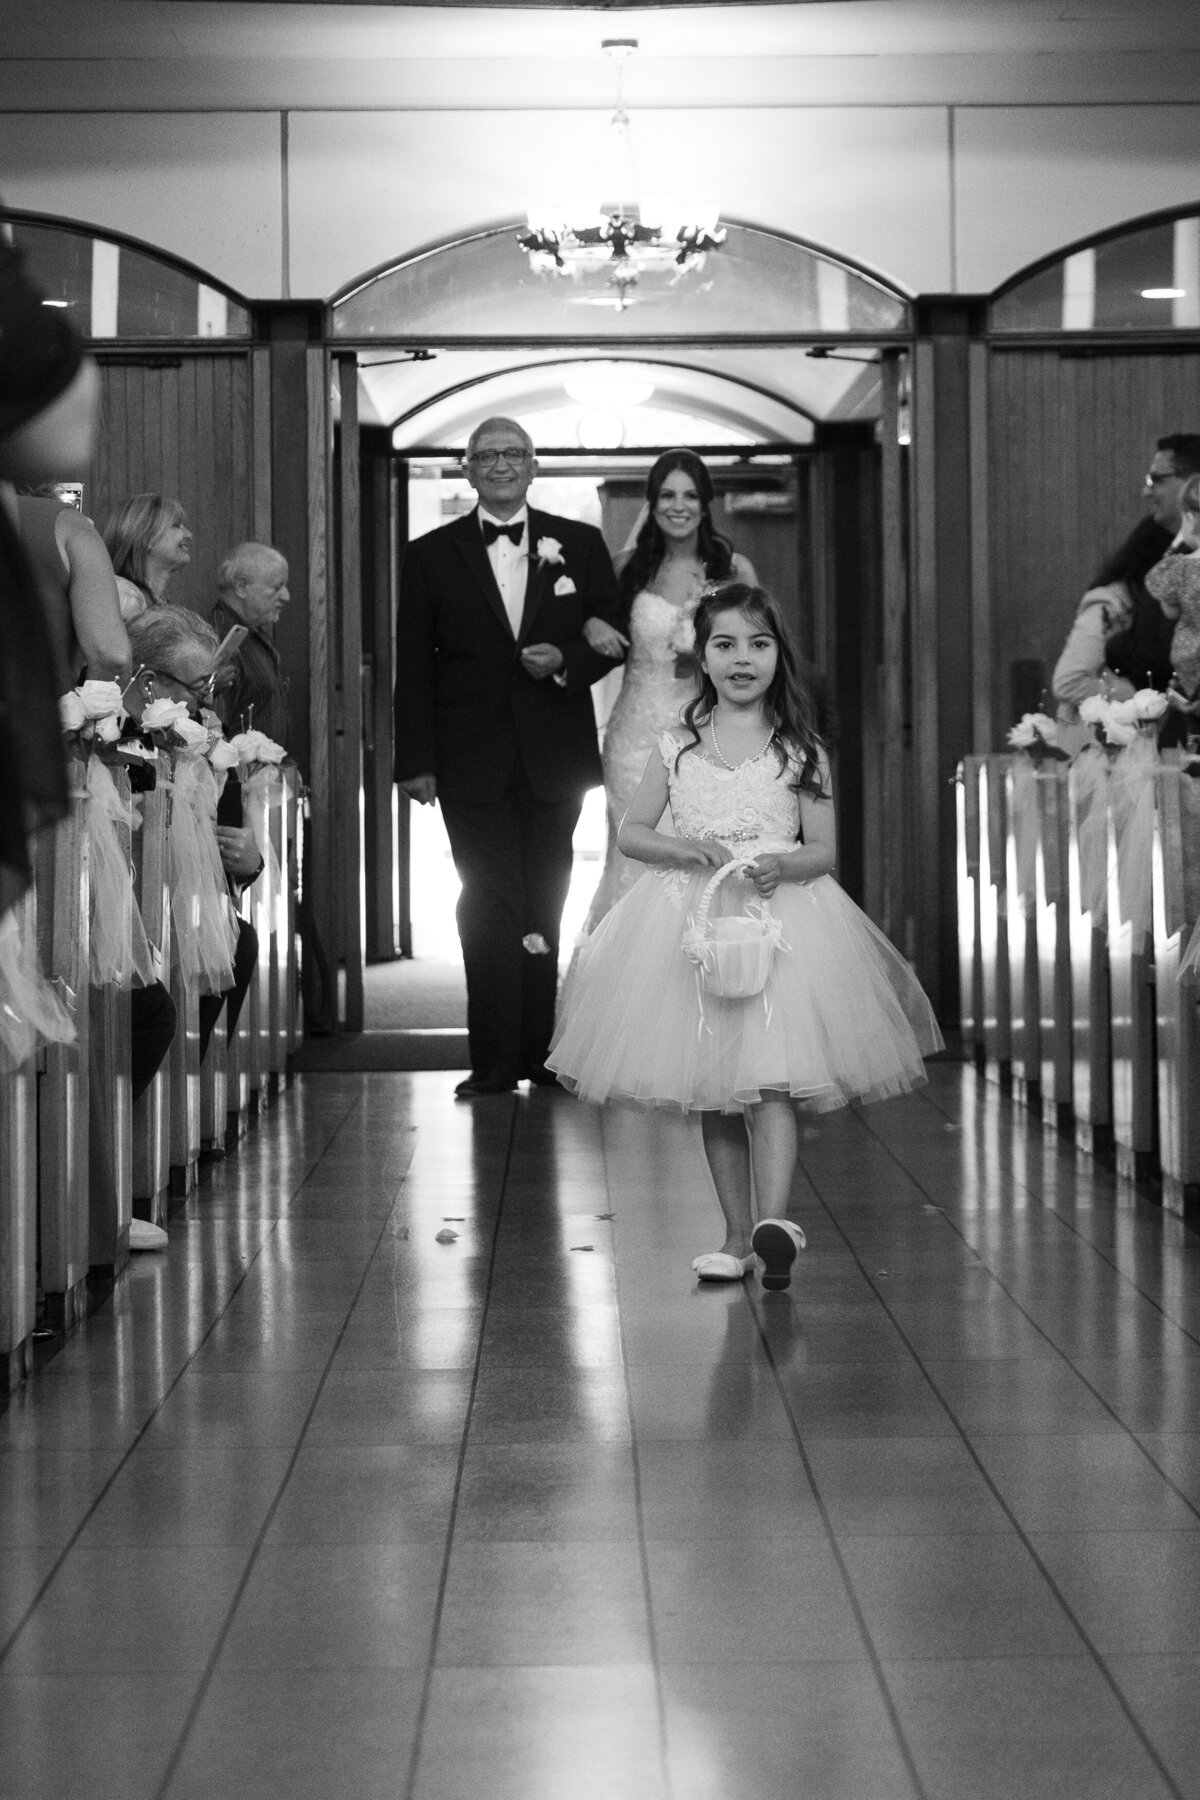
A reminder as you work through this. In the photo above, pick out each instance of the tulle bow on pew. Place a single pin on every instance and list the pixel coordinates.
(204, 938)
(120, 954)
(31, 1013)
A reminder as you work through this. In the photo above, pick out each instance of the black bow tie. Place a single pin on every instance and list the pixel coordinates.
(491, 531)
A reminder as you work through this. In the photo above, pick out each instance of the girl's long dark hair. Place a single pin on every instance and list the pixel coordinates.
(1132, 560)
(715, 552)
(789, 702)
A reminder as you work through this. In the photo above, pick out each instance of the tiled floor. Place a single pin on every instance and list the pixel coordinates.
(320, 1508)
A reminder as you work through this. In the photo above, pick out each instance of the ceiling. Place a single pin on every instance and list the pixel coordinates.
(169, 53)
(158, 28)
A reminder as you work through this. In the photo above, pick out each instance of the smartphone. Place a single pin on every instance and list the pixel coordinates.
(230, 644)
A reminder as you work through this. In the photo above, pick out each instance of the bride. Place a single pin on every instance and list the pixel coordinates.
(676, 550)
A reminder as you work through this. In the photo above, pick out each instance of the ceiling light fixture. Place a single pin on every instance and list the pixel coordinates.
(1163, 293)
(626, 236)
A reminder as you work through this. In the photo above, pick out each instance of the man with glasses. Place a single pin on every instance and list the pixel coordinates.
(1175, 458)
(494, 721)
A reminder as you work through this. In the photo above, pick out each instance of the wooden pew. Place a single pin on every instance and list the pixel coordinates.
(1132, 1008)
(18, 1204)
(1020, 849)
(1051, 903)
(993, 911)
(970, 969)
(1090, 1028)
(152, 1112)
(1177, 1000)
(110, 1109)
(63, 1145)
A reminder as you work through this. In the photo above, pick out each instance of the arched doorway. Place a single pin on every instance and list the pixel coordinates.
(785, 364)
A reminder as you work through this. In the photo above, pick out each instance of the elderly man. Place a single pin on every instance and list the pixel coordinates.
(252, 585)
(494, 720)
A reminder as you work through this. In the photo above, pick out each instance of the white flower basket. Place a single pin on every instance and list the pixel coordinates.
(733, 955)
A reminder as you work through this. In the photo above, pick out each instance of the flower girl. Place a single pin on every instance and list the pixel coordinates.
(669, 1006)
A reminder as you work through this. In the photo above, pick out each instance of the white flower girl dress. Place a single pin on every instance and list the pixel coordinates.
(842, 1016)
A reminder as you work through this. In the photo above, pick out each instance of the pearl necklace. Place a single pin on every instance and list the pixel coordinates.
(722, 758)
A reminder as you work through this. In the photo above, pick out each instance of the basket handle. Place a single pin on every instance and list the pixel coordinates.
(706, 898)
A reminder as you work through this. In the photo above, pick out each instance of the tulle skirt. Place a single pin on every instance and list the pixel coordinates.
(842, 1016)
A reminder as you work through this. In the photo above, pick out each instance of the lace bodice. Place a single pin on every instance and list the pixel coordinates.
(752, 805)
(658, 633)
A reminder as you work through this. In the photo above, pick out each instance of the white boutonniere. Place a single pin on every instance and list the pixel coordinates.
(564, 585)
(549, 550)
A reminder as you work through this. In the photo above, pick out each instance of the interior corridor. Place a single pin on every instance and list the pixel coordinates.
(321, 1507)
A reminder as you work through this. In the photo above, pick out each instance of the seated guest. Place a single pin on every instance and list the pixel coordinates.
(147, 539)
(78, 587)
(175, 653)
(252, 585)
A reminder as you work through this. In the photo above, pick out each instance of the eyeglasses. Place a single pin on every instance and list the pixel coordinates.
(200, 690)
(487, 459)
(1156, 477)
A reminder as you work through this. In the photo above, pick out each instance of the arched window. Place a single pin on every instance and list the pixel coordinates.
(484, 287)
(113, 289)
(1141, 278)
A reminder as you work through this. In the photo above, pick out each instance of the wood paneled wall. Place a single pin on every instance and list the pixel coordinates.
(182, 425)
(1070, 435)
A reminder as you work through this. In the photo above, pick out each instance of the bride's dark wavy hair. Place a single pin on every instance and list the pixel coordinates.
(716, 552)
(789, 702)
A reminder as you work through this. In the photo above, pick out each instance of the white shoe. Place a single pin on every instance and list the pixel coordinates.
(777, 1242)
(718, 1265)
(145, 1236)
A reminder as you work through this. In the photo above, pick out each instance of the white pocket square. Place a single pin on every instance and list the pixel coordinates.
(564, 585)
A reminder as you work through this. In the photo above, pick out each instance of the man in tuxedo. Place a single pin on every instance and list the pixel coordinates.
(494, 720)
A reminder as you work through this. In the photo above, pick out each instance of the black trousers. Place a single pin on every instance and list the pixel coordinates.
(152, 1022)
(513, 857)
(244, 959)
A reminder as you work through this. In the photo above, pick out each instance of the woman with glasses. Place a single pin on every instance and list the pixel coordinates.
(149, 540)
(175, 652)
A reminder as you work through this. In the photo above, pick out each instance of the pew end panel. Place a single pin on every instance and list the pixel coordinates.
(1054, 952)
(1021, 922)
(63, 1146)
(970, 974)
(1177, 998)
(18, 1203)
(993, 917)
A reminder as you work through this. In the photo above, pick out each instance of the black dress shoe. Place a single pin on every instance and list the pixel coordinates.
(494, 1082)
(540, 1075)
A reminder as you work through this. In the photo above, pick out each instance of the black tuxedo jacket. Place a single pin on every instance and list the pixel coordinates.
(466, 711)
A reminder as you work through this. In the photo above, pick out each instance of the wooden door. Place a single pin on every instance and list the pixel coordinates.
(184, 425)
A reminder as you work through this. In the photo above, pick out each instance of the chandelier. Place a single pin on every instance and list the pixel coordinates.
(628, 235)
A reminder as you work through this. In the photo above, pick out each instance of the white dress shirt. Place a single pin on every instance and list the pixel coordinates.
(510, 566)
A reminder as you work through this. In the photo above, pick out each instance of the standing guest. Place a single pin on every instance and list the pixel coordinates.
(1119, 640)
(79, 590)
(252, 588)
(494, 720)
(48, 395)
(148, 539)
